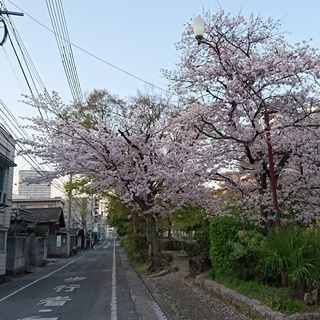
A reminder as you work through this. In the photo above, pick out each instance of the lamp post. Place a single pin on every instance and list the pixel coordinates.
(198, 29)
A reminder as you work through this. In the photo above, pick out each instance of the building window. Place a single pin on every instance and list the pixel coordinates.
(2, 240)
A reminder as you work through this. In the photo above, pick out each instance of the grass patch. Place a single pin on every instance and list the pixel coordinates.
(279, 299)
(141, 267)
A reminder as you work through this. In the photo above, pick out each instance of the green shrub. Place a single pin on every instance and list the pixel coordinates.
(40, 231)
(171, 245)
(135, 247)
(202, 239)
(292, 254)
(224, 233)
(118, 216)
(244, 254)
(187, 218)
(279, 299)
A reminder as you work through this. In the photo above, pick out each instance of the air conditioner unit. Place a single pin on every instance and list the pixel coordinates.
(3, 198)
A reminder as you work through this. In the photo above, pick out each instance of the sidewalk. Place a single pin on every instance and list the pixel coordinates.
(147, 307)
(182, 299)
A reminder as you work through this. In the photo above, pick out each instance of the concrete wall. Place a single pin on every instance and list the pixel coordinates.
(3, 259)
(16, 255)
(5, 216)
(38, 251)
(57, 248)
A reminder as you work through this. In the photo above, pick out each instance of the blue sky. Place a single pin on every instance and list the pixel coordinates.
(138, 36)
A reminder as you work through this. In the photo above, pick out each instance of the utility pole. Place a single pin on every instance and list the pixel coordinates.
(3, 23)
(11, 13)
(70, 202)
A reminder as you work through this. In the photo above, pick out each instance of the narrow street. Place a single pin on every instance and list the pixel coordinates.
(89, 286)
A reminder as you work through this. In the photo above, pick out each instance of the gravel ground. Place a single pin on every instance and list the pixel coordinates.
(182, 299)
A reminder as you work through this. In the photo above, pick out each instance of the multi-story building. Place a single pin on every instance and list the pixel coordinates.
(33, 190)
(34, 203)
(7, 152)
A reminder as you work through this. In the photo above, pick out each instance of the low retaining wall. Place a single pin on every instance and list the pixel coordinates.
(250, 307)
(58, 246)
(16, 255)
(38, 251)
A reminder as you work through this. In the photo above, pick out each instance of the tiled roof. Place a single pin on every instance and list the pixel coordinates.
(49, 215)
(25, 215)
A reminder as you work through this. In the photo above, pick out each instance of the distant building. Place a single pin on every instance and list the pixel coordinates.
(33, 190)
(33, 203)
(7, 152)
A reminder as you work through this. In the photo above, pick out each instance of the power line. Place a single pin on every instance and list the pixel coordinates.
(25, 57)
(59, 25)
(14, 123)
(13, 70)
(92, 54)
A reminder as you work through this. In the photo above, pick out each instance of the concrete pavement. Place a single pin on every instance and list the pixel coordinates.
(94, 285)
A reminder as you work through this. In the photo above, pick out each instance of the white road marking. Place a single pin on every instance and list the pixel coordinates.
(35, 281)
(67, 288)
(75, 279)
(114, 285)
(54, 301)
(37, 318)
(45, 310)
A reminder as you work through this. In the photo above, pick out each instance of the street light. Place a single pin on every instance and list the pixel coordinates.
(198, 29)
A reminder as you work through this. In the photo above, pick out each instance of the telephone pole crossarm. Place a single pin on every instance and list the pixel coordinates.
(11, 13)
(3, 22)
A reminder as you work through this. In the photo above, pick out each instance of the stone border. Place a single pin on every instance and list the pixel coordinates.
(251, 307)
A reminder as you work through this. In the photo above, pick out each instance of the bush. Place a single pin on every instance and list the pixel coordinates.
(171, 245)
(244, 253)
(276, 298)
(136, 248)
(202, 239)
(292, 254)
(40, 231)
(232, 246)
(187, 218)
(223, 233)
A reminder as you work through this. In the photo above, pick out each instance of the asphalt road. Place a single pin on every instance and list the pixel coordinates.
(90, 286)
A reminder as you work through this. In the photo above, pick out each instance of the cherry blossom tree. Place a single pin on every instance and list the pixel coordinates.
(135, 148)
(249, 89)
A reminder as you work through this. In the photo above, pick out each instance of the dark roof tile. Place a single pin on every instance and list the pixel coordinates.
(49, 215)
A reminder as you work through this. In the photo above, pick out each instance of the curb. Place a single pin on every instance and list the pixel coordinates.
(147, 306)
(251, 307)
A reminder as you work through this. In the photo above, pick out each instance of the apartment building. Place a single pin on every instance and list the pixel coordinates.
(33, 190)
(7, 153)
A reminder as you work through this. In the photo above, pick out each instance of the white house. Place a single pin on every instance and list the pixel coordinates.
(7, 152)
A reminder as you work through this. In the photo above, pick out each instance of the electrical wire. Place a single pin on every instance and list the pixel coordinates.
(70, 69)
(10, 118)
(93, 55)
(12, 123)
(60, 28)
(13, 70)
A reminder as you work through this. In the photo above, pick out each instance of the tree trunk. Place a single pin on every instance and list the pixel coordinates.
(265, 225)
(170, 230)
(154, 242)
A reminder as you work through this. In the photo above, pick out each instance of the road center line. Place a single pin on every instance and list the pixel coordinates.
(114, 285)
(35, 281)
